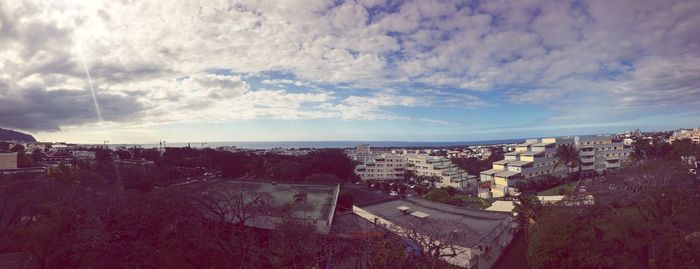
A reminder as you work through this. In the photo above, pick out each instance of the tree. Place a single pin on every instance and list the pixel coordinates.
(568, 155)
(528, 209)
(323, 178)
(649, 220)
(64, 173)
(409, 175)
(151, 155)
(442, 196)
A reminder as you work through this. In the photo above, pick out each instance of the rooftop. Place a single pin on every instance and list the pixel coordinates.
(519, 163)
(531, 153)
(502, 162)
(507, 174)
(491, 171)
(475, 224)
(318, 206)
(502, 206)
(525, 144)
(542, 144)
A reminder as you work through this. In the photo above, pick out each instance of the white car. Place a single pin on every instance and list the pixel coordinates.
(393, 193)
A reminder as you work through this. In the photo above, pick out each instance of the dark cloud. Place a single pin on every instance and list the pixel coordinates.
(36, 109)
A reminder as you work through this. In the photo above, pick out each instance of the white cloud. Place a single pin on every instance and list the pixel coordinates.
(617, 57)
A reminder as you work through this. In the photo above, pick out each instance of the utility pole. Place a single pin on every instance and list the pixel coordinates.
(203, 144)
(106, 144)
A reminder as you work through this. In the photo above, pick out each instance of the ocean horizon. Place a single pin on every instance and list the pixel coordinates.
(327, 144)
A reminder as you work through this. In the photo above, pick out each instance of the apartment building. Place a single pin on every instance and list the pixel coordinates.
(531, 159)
(693, 135)
(442, 167)
(362, 153)
(601, 153)
(381, 167)
(536, 158)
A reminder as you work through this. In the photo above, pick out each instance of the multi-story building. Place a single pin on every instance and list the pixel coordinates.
(536, 158)
(450, 175)
(362, 153)
(531, 159)
(381, 167)
(601, 153)
(693, 135)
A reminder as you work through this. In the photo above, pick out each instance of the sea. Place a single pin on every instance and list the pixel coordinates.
(328, 144)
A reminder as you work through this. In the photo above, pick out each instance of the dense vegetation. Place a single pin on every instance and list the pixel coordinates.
(102, 215)
(644, 216)
(474, 165)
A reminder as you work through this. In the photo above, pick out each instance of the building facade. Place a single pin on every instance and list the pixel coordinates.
(450, 175)
(536, 158)
(693, 135)
(381, 167)
(601, 153)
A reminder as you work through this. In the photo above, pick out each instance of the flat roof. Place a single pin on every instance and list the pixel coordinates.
(514, 153)
(502, 162)
(502, 206)
(318, 206)
(491, 171)
(472, 225)
(542, 144)
(525, 144)
(507, 174)
(531, 153)
(519, 163)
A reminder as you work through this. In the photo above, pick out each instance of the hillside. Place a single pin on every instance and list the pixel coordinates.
(9, 135)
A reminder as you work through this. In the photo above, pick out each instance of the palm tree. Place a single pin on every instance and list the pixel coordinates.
(527, 209)
(568, 155)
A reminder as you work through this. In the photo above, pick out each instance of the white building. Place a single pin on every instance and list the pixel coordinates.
(693, 135)
(381, 167)
(450, 175)
(601, 153)
(535, 158)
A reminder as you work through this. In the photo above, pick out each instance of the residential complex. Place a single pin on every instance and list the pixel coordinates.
(693, 135)
(436, 166)
(536, 158)
(391, 166)
(382, 167)
(601, 153)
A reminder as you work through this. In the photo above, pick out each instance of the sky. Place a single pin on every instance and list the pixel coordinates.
(293, 70)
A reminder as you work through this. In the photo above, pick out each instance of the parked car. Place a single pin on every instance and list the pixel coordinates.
(393, 193)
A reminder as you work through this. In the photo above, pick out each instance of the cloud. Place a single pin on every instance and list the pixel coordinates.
(37, 109)
(583, 60)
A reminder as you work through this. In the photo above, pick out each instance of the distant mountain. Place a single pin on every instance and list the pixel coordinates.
(9, 135)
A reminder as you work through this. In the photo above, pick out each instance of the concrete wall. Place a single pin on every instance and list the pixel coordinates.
(8, 160)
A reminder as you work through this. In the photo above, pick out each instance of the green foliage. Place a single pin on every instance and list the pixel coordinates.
(559, 189)
(568, 155)
(528, 209)
(650, 221)
(442, 196)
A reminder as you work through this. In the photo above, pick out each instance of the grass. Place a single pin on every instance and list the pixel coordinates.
(568, 187)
